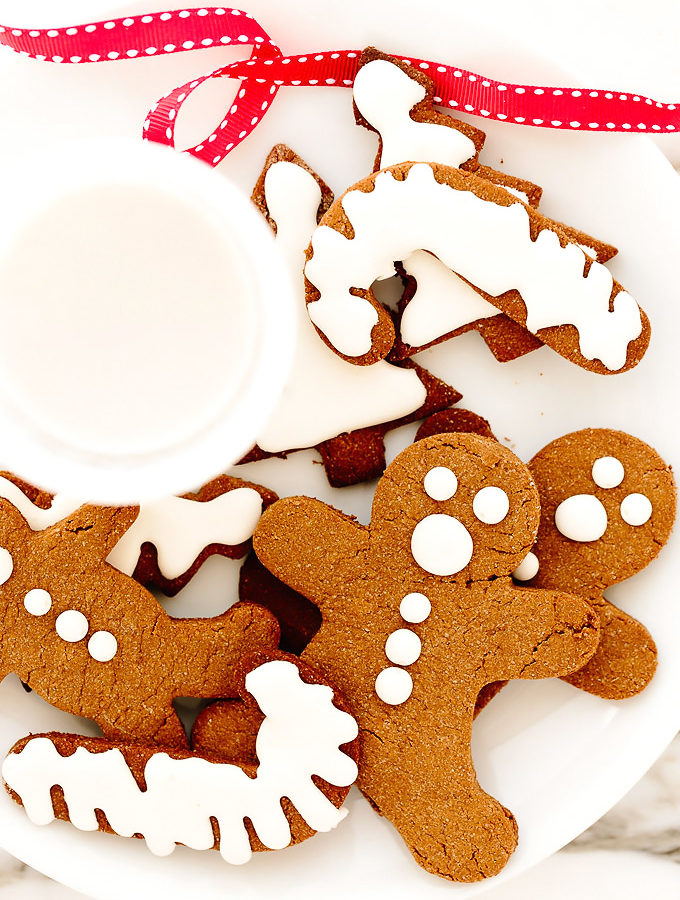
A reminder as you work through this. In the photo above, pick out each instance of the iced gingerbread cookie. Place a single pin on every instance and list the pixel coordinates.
(171, 538)
(607, 508)
(419, 613)
(397, 101)
(519, 260)
(306, 761)
(342, 411)
(93, 642)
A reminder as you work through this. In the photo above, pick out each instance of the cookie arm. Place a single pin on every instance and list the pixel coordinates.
(540, 634)
(310, 546)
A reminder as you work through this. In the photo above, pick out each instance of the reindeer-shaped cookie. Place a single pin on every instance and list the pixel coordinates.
(419, 613)
(607, 509)
(94, 642)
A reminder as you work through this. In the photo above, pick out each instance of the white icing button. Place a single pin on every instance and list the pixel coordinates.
(441, 545)
(415, 608)
(636, 509)
(491, 505)
(440, 483)
(102, 646)
(403, 647)
(608, 472)
(38, 602)
(393, 686)
(6, 565)
(71, 626)
(581, 518)
(527, 569)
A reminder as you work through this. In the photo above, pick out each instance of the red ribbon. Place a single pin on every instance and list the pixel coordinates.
(266, 70)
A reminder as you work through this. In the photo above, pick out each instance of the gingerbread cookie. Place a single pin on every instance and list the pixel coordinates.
(419, 613)
(171, 538)
(519, 260)
(607, 508)
(397, 101)
(93, 642)
(341, 410)
(306, 752)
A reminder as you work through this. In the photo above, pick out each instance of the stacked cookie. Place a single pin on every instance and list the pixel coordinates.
(356, 653)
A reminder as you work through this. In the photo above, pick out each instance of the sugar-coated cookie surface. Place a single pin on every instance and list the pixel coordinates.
(519, 260)
(415, 716)
(306, 760)
(608, 505)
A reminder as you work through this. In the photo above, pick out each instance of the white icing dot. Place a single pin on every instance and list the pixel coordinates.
(581, 518)
(440, 483)
(608, 472)
(441, 545)
(415, 608)
(38, 602)
(636, 509)
(403, 647)
(527, 569)
(71, 626)
(491, 505)
(102, 646)
(393, 686)
(6, 565)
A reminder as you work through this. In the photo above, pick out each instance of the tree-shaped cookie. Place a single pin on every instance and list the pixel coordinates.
(607, 508)
(329, 404)
(94, 642)
(419, 613)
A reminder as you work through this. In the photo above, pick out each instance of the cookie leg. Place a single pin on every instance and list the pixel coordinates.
(625, 660)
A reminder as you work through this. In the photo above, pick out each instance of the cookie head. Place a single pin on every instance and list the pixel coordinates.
(456, 506)
(607, 507)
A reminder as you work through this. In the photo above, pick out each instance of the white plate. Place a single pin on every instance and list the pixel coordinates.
(557, 757)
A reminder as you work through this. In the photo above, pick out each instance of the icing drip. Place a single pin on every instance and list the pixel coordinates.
(636, 509)
(385, 95)
(440, 483)
(487, 244)
(581, 518)
(527, 569)
(299, 737)
(441, 545)
(608, 472)
(324, 395)
(394, 686)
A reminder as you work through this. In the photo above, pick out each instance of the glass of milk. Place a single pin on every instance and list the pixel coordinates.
(146, 321)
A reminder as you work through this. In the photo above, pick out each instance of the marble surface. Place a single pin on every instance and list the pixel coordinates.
(634, 850)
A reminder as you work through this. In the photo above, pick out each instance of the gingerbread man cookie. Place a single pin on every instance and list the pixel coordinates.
(306, 760)
(94, 642)
(419, 613)
(341, 410)
(520, 262)
(607, 508)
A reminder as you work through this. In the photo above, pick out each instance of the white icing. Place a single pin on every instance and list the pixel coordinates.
(324, 395)
(299, 737)
(393, 686)
(403, 647)
(71, 626)
(491, 505)
(440, 483)
(385, 95)
(415, 608)
(6, 565)
(521, 195)
(102, 646)
(527, 569)
(441, 545)
(180, 529)
(636, 509)
(38, 602)
(608, 472)
(37, 518)
(487, 244)
(441, 302)
(581, 518)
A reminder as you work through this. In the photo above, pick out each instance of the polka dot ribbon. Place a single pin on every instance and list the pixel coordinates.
(267, 69)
